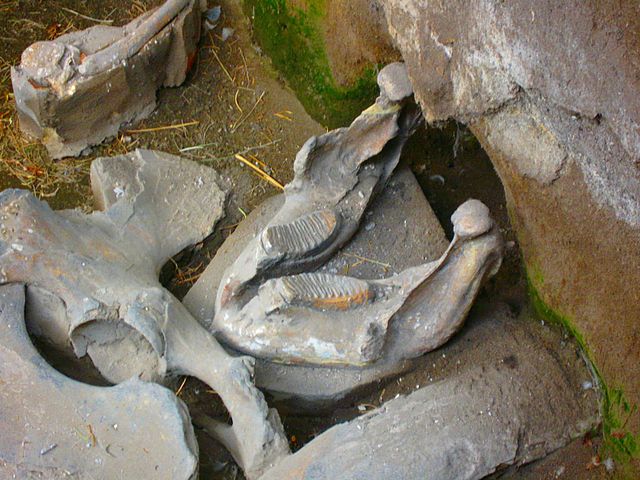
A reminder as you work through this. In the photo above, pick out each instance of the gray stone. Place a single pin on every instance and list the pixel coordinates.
(100, 272)
(54, 427)
(511, 395)
(551, 92)
(81, 88)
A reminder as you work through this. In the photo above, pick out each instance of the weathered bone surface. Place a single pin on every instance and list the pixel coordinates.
(320, 318)
(54, 427)
(385, 227)
(81, 88)
(336, 177)
(520, 401)
(100, 273)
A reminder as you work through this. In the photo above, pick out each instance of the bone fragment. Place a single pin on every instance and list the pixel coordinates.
(104, 269)
(81, 88)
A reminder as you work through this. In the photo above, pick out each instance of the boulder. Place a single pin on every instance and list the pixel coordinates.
(551, 91)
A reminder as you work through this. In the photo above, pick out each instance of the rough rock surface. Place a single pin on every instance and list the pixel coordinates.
(97, 278)
(81, 88)
(551, 91)
(54, 427)
(512, 397)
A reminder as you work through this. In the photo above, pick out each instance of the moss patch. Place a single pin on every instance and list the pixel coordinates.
(293, 39)
(619, 443)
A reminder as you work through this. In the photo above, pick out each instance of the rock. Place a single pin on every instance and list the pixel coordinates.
(101, 275)
(551, 92)
(55, 427)
(81, 88)
(508, 397)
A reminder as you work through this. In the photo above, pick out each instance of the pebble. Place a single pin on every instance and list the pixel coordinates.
(226, 33)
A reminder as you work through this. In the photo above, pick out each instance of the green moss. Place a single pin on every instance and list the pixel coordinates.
(293, 39)
(619, 443)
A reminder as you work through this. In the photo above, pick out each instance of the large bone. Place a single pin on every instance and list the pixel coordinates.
(513, 395)
(79, 89)
(390, 240)
(337, 175)
(54, 427)
(319, 318)
(100, 272)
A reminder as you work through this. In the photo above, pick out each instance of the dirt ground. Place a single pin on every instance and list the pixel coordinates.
(240, 107)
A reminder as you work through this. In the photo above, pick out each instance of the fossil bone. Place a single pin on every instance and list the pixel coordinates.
(55, 427)
(391, 240)
(317, 318)
(79, 89)
(336, 177)
(100, 272)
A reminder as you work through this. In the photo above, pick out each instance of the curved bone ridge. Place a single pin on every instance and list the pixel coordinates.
(103, 267)
(318, 318)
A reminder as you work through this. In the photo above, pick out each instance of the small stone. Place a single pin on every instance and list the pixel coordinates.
(609, 464)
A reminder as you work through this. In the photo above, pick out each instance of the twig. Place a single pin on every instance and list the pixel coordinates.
(179, 391)
(284, 115)
(241, 152)
(86, 17)
(222, 65)
(235, 99)
(261, 173)
(235, 127)
(166, 127)
(365, 259)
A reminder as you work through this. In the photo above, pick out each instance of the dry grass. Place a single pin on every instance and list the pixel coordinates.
(28, 162)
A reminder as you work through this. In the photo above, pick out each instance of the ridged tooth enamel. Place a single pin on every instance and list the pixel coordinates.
(305, 235)
(324, 291)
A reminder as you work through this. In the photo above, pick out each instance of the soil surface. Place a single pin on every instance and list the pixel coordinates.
(240, 106)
